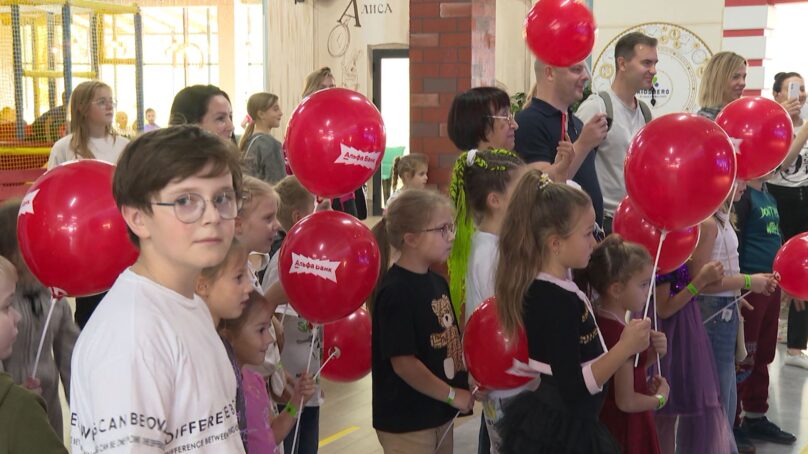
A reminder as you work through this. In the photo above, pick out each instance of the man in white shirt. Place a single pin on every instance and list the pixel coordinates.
(635, 57)
(149, 372)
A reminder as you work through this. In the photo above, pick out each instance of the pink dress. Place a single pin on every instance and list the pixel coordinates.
(260, 439)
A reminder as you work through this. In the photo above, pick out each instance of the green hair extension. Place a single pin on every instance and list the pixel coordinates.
(461, 248)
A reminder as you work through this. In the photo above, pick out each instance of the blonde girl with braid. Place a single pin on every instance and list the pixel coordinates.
(412, 170)
(482, 183)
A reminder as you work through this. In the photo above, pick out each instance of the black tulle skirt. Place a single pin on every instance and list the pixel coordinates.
(540, 422)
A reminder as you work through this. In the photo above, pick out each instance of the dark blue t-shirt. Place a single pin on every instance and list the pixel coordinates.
(759, 237)
(537, 139)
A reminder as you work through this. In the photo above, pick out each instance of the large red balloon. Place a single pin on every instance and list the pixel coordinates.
(679, 169)
(560, 32)
(71, 233)
(328, 265)
(489, 354)
(676, 248)
(791, 263)
(761, 131)
(335, 141)
(349, 340)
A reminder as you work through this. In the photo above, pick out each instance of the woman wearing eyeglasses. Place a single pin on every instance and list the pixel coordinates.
(92, 136)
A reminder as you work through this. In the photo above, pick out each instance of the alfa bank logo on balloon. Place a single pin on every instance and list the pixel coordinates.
(325, 269)
(335, 141)
(27, 204)
(352, 156)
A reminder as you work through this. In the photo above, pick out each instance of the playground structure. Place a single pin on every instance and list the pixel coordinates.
(48, 47)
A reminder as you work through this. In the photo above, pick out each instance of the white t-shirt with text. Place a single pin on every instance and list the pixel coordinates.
(151, 375)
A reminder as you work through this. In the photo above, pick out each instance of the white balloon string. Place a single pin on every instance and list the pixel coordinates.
(42, 338)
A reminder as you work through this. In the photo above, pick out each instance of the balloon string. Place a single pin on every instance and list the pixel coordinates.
(662, 236)
(735, 301)
(308, 366)
(656, 327)
(732, 201)
(42, 338)
(451, 424)
(330, 357)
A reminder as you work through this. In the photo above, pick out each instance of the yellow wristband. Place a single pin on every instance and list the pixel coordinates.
(291, 409)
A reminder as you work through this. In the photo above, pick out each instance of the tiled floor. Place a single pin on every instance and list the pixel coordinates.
(345, 419)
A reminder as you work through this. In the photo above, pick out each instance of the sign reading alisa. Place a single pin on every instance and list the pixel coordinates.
(682, 59)
(369, 7)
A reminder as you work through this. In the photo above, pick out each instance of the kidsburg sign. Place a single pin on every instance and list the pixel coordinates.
(682, 59)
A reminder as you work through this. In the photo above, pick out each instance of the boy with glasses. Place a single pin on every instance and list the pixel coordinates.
(150, 373)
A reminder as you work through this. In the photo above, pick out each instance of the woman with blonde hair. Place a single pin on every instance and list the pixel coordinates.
(319, 80)
(262, 153)
(723, 81)
(353, 203)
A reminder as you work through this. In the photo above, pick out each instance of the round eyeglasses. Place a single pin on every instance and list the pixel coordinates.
(190, 207)
(445, 230)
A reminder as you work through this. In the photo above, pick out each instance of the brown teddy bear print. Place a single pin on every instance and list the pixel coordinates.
(449, 338)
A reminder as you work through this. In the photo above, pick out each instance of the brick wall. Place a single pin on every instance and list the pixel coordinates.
(451, 50)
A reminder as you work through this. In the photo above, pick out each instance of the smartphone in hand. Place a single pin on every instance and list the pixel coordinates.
(793, 90)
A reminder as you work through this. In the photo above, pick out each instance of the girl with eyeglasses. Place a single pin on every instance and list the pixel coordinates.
(92, 109)
(92, 136)
(419, 377)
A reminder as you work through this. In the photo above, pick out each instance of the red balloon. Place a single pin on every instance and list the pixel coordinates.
(349, 340)
(560, 32)
(679, 169)
(676, 248)
(335, 141)
(791, 263)
(328, 265)
(762, 132)
(488, 352)
(70, 231)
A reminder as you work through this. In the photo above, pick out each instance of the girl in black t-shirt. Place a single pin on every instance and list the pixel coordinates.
(546, 233)
(419, 378)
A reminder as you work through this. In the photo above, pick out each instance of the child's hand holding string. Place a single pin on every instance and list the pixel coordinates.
(659, 342)
(463, 400)
(636, 335)
(764, 283)
(304, 389)
(709, 273)
(658, 385)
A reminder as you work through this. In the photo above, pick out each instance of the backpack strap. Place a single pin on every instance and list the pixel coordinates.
(608, 101)
(646, 111)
